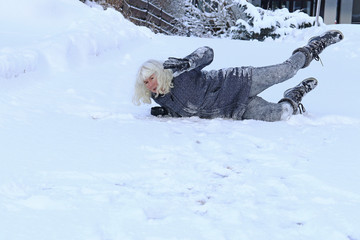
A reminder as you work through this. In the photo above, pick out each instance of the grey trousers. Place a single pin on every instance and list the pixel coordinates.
(265, 77)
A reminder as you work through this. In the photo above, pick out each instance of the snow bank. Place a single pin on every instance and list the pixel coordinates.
(60, 34)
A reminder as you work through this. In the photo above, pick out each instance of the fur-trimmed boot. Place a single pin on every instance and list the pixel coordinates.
(294, 95)
(317, 44)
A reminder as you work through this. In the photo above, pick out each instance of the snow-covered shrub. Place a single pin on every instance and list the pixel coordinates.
(208, 19)
(257, 23)
(239, 19)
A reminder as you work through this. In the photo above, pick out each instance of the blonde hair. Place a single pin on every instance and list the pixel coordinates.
(164, 79)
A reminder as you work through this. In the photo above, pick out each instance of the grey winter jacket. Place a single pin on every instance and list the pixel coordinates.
(220, 93)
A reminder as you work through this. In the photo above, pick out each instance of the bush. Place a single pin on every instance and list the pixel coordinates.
(257, 23)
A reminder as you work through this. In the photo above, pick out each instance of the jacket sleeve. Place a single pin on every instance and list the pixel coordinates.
(200, 58)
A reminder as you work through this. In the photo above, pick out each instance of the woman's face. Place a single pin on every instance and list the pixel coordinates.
(151, 83)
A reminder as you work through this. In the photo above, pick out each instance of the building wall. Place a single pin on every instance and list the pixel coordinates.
(345, 13)
(346, 10)
(330, 11)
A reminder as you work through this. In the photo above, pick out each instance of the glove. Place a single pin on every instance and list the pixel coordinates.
(158, 111)
(176, 64)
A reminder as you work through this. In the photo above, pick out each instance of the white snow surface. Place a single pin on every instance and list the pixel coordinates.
(80, 161)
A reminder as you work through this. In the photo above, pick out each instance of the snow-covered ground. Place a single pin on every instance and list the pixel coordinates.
(79, 161)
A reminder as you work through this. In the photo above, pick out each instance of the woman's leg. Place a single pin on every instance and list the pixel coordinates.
(259, 109)
(265, 77)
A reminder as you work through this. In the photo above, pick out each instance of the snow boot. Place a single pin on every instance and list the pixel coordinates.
(294, 95)
(317, 44)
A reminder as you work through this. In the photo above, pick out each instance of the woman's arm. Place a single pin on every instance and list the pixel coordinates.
(198, 59)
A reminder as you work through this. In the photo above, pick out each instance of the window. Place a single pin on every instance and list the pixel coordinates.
(356, 12)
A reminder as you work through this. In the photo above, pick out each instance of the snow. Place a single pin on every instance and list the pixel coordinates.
(80, 161)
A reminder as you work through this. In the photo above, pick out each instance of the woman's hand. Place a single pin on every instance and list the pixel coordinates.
(158, 111)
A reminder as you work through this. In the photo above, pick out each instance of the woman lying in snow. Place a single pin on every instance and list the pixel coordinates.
(183, 89)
